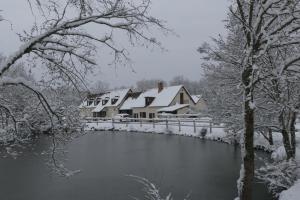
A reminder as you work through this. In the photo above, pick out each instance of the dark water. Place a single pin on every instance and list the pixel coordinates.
(204, 170)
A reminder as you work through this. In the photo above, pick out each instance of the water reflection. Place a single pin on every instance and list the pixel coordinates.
(180, 165)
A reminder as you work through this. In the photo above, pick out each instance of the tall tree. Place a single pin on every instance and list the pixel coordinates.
(264, 25)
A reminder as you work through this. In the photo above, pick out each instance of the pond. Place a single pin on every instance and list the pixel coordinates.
(203, 170)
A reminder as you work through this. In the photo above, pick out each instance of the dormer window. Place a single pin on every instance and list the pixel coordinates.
(148, 100)
(114, 100)
(104, 101)
(90, 102)
(98, 100)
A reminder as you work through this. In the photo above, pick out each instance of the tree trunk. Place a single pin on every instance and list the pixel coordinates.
(2, 119)
(6, 119)
(271, 142)
(287, 144)
(247, 175)
(292, 130)
(288, 134)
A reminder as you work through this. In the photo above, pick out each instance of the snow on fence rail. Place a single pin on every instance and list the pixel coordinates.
(168, 124)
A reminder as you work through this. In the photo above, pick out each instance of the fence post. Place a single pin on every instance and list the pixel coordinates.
(210, 126)
(153, 123)
(167, 124)
(113, 123)
(194, 123)
(141, 122)
(179, 125)
(126, 122)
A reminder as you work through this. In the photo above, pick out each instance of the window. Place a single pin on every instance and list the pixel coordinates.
(148, 100)
(97, 101)
(142, 114)
(135, 115)
(99, 114)
(104, 101)
(181, 97)
(90, 102)
(113, 101)
(102, 114)
(151, 115)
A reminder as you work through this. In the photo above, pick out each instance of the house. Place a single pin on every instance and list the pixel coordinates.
(148, 104)
(110, 103)
(173, 99)
(199, 104)
(126, 108)
(105, 104)
(89, 104)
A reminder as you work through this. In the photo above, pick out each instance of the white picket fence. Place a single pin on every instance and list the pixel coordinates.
(179, 123)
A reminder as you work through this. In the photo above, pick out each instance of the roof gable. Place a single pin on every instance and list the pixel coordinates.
(166, 96)
(196, 98)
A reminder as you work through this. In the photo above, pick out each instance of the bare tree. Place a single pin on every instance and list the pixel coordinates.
(194, 87)
(61, 46)
(146, 84)
(100, 87)
(264, 25)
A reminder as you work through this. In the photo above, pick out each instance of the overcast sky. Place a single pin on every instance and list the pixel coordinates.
(195, 21)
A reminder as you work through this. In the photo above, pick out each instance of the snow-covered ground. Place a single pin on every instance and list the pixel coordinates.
(293, 193)
(188, 129)
(185, 129)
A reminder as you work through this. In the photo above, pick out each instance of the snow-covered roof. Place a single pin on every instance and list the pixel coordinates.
(128, 103)
(140, 101)
(172, 108)
(163, 98)
(196, 98)
(117, 94)
(84, 104)
(90, 97)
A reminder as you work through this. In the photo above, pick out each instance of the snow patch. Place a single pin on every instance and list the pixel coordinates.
(279, 154)
(292, 193)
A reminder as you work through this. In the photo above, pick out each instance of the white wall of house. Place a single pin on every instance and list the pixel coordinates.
(183, 110)
(111, 111)
(86, 112)
(199, 106)
(147, 110)
(186, 98)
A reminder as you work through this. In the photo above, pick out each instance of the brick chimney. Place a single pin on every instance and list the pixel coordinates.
(160, 86)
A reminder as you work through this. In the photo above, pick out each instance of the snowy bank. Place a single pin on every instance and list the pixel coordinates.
(292, 193)
(217, 133)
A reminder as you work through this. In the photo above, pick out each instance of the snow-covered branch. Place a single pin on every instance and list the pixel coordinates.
(62, 48)
(40, 96)
(62, 35)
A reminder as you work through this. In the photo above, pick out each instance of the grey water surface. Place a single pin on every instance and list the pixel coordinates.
(183, 166)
